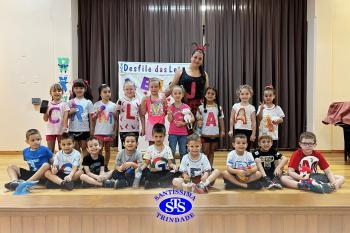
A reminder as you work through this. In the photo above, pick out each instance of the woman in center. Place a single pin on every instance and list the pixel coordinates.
(193, 79)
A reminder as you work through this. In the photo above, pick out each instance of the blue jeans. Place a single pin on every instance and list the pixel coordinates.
(178, 139)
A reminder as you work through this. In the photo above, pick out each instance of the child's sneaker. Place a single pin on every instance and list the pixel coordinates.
(200, 188)
(121, 183)
(317, 188)
(86, 185)
(68, 185)
(108, 184)
(13, 185)
(277, 183)
(266, 181)
(327, 188)
(256, 185)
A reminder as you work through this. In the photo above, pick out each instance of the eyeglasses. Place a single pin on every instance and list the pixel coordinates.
(307, 143)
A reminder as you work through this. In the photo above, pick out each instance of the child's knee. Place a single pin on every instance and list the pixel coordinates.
(258, 174)
(12, 167)
(45, 166)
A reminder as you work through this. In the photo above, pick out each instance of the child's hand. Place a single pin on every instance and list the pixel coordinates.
(100, 178)
(72, 110)
(175, 167)
(180, 123)
(54, 169)
(121, 168)
(230, 133)
(252, 138)
(277, 172)
(68, 178)
(244, 173)
(186, 178)
(200, 123)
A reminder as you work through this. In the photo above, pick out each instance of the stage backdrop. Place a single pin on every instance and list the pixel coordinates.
(140, 73)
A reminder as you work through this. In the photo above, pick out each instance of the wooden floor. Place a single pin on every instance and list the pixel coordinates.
(129, 210)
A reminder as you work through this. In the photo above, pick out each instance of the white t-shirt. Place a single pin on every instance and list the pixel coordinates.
(129, 114)
(55, 122)
(79, 122)
(105, 119)
(66, 162)
(243, 116)
(159, 159)
(240, 161)
(268, 115)
(210, 119)
(195, 167)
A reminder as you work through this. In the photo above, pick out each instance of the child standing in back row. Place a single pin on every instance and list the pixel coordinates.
(270, 116)
(243, 116)
(129, 113)
(155, 106)
(177, 129)
(210, 118)
(104, 121)
(56, 117)
(81, 112)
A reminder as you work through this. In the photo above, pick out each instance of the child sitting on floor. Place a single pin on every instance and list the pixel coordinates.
(195, 167)
(128, 162)
(269, 162)
(93, 165)
(38, 158)
(159, 160)
(307, 157)
(65, 166)
(241, 168)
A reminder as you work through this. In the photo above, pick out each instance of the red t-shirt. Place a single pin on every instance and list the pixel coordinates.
(299, 159)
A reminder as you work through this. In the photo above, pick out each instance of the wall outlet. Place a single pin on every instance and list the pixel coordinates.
(36, 101)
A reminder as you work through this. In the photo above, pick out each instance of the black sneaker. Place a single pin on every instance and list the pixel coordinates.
(108, 184)
(68, 185)
(229, 185)
(13, 185)
(266, 181)
(277, 183)
(121, 183)
(86, 185)
(256, 185)
(151, 184)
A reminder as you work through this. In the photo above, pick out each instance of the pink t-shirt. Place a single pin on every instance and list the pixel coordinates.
(55, 121)
(156, 110)
(178, 116)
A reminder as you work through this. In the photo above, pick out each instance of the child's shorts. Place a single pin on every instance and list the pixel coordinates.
(104, 138)
(52, 185)
(51, 138)
(129, 175)
(209, 140)
(80, 136)
(25, 174)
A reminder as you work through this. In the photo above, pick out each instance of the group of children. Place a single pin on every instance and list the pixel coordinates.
(83, 126)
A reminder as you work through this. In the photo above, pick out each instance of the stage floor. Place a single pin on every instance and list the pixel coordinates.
(220, 208)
